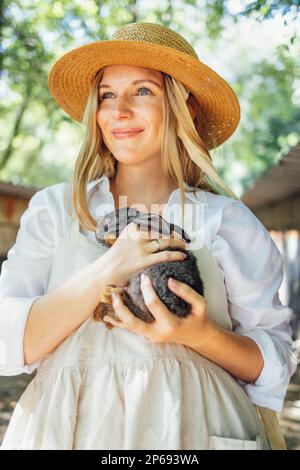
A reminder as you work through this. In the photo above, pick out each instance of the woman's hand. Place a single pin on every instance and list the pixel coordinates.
(237, 354)
(134, 250)
(167, 327)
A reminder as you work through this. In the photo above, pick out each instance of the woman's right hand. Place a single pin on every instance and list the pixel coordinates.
(133, 250)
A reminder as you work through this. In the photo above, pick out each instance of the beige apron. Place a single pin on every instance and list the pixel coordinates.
(114, 389)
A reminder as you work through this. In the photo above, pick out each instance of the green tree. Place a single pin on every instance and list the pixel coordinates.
(39, 139)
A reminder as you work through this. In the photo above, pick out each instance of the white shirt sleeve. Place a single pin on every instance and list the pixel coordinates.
(253, 273)
(24, 278)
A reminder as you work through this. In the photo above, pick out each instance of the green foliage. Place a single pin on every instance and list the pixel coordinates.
(40, 142)
(270, 123)
(263, 9)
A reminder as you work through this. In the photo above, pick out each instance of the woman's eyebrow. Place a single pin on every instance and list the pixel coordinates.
(142, 80)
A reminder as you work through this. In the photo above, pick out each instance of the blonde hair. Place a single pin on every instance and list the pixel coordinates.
(185, 157)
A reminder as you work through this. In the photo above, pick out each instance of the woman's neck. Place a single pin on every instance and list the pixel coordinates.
(146, 196)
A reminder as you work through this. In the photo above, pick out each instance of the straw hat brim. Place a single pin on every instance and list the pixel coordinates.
(71, 76)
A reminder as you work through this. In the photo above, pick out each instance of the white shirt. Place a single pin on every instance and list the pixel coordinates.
(250, 263)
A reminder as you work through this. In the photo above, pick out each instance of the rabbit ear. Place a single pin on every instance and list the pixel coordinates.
(132, 213)
(100, 222)
(180, 231)
(154, 222)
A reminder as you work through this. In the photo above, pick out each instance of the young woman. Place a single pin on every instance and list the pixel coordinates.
(152, 112)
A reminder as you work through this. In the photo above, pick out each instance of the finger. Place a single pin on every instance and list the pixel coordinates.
(149, 235)
(186, 293)
(112, 321)
(166, 256)
(164, 245)
(120, 308)
(137, 232)
(131, 231)
(126, 315)
(152, 301)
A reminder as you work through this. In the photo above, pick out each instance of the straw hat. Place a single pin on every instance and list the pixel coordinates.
(157, 47)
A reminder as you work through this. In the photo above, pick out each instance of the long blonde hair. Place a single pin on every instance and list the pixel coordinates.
(185, 157)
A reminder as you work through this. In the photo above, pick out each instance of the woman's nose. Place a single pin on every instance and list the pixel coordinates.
(121, 107)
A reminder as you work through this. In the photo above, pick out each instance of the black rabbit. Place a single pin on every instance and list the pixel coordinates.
(109, 228)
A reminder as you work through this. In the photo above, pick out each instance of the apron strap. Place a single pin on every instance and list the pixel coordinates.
(272, 428)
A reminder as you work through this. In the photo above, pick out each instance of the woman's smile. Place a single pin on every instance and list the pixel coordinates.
(125, 135)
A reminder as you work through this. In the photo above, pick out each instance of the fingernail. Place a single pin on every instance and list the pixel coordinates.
(115, 297)
(173, 282)
(144, 277)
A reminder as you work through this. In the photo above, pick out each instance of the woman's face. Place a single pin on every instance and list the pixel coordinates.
(124, 105)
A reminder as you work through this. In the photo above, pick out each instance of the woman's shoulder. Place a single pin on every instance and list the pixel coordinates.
(55, 190)
(56, 194)
(219, 201)
(231, 219)
(237, 227)
(53, 202)
(231, 210)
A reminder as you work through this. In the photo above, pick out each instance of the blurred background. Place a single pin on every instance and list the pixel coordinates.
(255, 46)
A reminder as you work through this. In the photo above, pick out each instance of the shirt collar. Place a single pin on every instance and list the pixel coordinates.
(197, 196)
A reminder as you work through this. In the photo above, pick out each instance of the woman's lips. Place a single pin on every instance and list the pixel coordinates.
(125, 135)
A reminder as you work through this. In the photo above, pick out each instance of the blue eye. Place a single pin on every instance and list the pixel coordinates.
(142, 88)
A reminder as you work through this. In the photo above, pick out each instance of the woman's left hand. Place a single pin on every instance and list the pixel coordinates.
(167, 327)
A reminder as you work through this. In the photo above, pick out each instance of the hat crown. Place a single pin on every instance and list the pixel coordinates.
(154, 34)
(154, 46)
